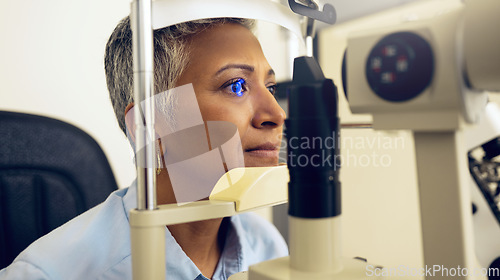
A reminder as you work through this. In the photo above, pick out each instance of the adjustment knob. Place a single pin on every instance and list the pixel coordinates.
(400, 66)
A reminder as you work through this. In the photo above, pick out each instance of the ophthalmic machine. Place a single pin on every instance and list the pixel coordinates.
(429, 74)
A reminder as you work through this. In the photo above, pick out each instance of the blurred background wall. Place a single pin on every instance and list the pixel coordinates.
(52, 65)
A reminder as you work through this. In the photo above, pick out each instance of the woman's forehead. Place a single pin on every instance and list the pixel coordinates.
(226, 44)
(225, 35)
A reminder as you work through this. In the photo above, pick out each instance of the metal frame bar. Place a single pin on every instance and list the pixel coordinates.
(147, 262)
(142, 32)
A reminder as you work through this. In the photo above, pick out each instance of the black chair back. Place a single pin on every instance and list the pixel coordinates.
(50, 172)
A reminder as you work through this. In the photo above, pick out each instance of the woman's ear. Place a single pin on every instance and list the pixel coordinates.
(129, 122)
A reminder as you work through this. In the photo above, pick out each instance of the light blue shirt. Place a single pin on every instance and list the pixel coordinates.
(96, 245)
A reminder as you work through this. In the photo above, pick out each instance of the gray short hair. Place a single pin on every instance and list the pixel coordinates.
(171, 56)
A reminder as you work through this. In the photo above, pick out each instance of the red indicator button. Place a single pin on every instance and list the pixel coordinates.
(389, 51)
(376, 64)
(387, 78)
(402, 64)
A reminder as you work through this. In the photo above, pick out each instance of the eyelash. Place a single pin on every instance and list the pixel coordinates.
(238, 87)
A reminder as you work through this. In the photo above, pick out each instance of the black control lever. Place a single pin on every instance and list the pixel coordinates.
(328, 15)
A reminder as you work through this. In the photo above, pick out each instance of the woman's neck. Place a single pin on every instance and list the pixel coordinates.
(199, 240)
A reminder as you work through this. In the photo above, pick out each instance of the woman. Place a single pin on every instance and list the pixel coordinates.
(233, 82)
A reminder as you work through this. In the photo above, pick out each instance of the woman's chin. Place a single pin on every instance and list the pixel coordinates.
(257, 161)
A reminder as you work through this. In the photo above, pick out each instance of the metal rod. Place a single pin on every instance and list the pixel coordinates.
(142, 38)
(310, 29)
(309, 46)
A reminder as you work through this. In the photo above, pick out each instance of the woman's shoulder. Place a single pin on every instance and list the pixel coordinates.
(253, 222)
(86, 246)
(260, 234)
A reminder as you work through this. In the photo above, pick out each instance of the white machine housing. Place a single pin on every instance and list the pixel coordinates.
(481, 39)
(437, 113)
(436, 107)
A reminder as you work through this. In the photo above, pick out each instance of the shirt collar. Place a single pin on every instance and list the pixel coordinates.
(130, 199)
(179, 265)
(231, 260)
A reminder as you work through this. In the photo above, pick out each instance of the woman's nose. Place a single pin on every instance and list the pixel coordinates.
(268, 113)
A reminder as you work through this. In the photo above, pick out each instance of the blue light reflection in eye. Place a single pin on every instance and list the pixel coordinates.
(237, 87)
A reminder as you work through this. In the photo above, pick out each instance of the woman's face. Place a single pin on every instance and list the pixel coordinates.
(233, 82)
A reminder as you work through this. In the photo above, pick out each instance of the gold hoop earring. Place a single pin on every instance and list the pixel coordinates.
(159, 158)
(158, 166)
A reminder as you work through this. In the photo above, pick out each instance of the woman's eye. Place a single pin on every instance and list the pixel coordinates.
(237, 87)
(272, 89)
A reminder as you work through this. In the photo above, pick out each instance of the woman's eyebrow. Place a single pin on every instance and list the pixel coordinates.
(237, 66)
(243, 67)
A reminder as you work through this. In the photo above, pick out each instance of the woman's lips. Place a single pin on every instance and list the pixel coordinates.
(264, 153)
(267, 150)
